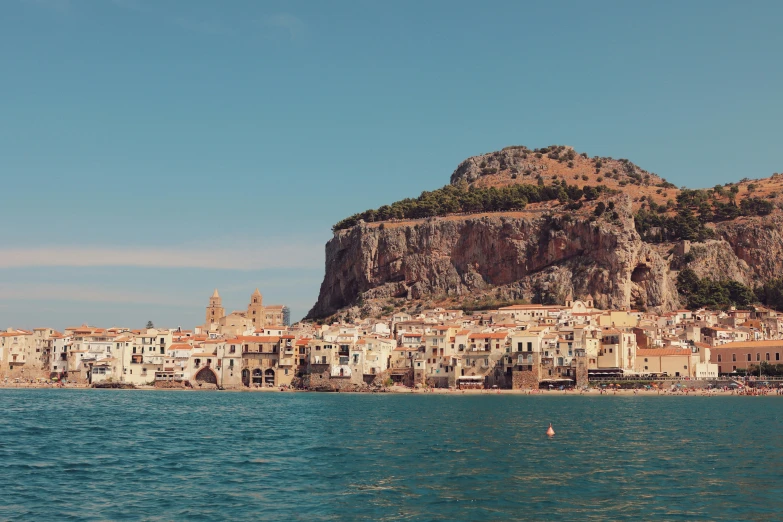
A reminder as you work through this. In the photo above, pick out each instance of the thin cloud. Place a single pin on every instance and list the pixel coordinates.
(85, 293)
(212, 257)
(131, 5)
(294, 27)
(202, 26)
(54, 5)
(209, 27)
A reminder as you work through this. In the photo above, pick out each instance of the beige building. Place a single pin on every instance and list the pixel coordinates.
(671, 362)
(17, 355)
(256, 317)
(215, 311)
(267, 360)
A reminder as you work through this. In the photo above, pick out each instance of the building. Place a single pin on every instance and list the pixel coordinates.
(730, 357)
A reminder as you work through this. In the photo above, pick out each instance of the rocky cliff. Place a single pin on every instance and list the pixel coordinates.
(541, 254)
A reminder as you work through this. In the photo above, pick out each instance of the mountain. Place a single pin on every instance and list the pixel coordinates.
(539, 225)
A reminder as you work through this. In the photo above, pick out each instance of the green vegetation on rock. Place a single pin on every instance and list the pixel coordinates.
(708, 293)
(453, 199)
(694, 208)
(771, 293)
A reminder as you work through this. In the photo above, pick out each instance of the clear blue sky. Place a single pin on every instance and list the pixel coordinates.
(152, 150)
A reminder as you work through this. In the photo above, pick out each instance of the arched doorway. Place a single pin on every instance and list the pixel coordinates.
(206, 375)
(269, 377)
(258, 377)
(246, 377)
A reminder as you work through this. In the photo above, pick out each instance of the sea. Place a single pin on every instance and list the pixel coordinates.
(170, 455)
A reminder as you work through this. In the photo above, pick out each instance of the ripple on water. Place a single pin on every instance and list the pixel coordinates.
(124, 455)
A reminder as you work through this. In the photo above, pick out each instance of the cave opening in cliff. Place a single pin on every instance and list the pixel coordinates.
(640, 273)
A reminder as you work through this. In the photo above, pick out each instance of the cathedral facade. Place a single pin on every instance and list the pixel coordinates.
(257, 315)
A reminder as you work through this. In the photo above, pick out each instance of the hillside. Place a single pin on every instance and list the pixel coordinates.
(541, 224)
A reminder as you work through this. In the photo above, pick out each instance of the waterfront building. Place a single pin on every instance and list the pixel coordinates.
(16, 350)
(730, 357)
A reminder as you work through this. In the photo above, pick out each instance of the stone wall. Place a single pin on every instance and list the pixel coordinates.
(171, 384)
(323, 381)
(438, 382)
(521, 380)
(581, 372)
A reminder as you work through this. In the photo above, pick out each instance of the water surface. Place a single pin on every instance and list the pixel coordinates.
(133, 455)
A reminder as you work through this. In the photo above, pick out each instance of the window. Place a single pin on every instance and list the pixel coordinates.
(231, 363)
(529, 347)
(232, 349)
(777, 356)
(767, 356)
(748, 357)
(610, 350)
(734, 368)
(162, 349)
(719, 358)
(685, 367)
(758, 356)
(734, 358)
(645, 360)
(519, 347)
(645, 367)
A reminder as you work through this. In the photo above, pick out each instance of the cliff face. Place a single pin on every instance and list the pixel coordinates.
(537, 255)
(546, 253)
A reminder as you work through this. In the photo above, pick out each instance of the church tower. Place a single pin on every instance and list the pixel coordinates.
(255, 310)
(215, 310)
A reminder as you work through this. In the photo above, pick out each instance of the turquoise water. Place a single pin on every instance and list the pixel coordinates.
(131, 455)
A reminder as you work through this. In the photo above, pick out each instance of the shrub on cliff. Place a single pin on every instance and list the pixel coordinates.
(756, 207)
(453, 199)
(708, 293)
(655, 228)
(771, 293)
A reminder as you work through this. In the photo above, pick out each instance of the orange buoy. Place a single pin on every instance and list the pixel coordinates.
(550, 432)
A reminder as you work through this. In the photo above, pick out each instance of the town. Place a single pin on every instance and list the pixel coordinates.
(524, 346)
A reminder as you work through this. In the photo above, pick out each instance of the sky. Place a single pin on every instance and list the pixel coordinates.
(153, 150)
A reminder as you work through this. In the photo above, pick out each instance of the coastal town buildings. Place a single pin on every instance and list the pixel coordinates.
(519, 346)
